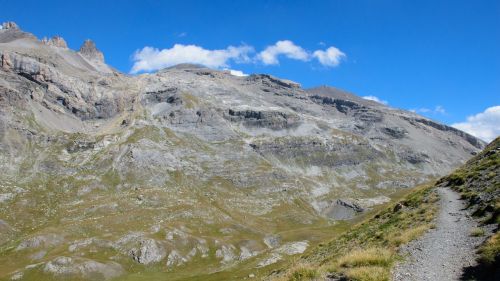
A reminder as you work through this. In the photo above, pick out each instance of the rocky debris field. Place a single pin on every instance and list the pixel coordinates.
(100, 167)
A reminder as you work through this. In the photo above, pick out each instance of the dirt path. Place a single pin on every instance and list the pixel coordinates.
(441, 253)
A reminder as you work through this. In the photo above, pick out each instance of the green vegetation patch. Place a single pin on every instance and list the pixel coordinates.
(478, 182)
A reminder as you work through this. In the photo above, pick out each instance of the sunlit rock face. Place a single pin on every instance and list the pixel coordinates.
(106, 174)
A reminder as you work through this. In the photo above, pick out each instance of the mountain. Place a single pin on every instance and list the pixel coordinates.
(189, 170)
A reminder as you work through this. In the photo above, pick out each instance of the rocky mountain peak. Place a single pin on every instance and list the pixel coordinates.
(10, 25)
(182, 149)
(89, 50)
(56, 41)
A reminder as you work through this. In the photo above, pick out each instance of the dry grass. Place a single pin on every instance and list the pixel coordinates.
(301, 272)
(368, 273)
(368, 251)
(476, 232)
(371, 264)
(409, 234)
(367, 257)
(490, 250)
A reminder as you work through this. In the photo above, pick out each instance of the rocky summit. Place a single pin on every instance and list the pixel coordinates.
(190, 170)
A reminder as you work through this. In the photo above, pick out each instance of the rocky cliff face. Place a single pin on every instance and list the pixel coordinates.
(190, 169)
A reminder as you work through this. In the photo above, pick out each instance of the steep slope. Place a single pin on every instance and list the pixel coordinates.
(448, 236)
(189, 170)
(478, 181)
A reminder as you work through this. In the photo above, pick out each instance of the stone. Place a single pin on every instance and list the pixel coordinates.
(56, 41)
(149, 251)
(45, 240)
(79, 267)
(10, 25)
(90, 51)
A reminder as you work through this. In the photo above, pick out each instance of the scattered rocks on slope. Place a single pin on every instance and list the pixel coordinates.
(46, 240)
(149, 251)
(68, 267)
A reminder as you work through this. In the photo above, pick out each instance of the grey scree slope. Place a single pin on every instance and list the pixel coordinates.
(162, 167)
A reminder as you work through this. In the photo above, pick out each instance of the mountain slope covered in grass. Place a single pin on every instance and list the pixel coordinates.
(478, 181)
(369, 250)
(188, 172)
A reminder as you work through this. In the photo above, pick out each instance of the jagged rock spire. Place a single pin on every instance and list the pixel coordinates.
(89, 51)
(56, 41)
(10, 25)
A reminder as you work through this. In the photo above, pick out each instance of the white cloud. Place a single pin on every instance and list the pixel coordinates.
(237, 73)
(329, 57)
(284, 47)
(484, 125)
(150, 59)
(374, 98)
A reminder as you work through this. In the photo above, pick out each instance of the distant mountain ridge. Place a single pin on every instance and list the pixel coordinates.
(190, 169)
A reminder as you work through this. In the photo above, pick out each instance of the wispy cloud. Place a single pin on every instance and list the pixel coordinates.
(150, 59)
(376, 99)
(484, 125)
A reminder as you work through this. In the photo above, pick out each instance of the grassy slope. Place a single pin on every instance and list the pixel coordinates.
(478, 181)
(368, 251)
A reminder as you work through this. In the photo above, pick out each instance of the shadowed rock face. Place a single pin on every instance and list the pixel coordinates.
(275, 120)
(187, 164)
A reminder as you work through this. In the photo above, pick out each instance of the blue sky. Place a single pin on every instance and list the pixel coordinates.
(441, 58)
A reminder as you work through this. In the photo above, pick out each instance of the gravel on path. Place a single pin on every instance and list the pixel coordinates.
(443, 252)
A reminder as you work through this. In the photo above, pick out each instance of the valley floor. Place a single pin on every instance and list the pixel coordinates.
(443, 252)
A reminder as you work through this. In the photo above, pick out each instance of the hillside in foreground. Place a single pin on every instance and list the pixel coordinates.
(371, 249)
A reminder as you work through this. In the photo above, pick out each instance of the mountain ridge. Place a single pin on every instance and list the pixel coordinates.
(189, 170)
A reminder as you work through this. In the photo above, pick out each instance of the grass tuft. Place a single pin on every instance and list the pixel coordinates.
(477, 232)
(367, 257)
(368, 273)
(490, 251)
(407, 235)
(302, 272)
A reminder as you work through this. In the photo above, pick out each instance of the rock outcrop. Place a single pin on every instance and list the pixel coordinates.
(10, 25)
(157, 171)
(56, 41)
(90, 51)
